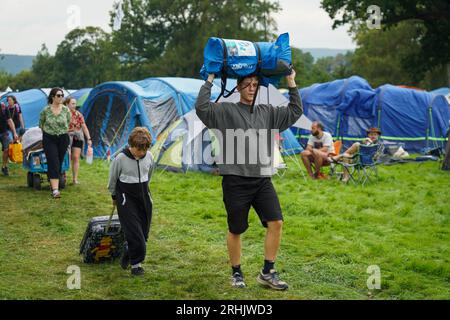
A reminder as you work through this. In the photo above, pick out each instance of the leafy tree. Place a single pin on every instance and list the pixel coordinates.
(380, 57)
(432, 36)
(85, 58)
(307, 71)
(161, 37)
(24, 80)
(337, 67)
(43, 71)
(5, 80)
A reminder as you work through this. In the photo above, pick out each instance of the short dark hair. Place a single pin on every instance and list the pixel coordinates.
(140, 138)
(52, 94)
(240, 79)
(320, 125)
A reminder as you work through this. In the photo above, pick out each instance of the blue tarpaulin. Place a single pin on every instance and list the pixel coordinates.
(347, 108)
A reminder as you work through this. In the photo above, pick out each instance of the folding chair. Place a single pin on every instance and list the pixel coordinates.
(337, 150)
(367, 163)
(362, 167)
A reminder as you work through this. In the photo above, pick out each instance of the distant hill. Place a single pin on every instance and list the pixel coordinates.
(318, 53)
(13, 63)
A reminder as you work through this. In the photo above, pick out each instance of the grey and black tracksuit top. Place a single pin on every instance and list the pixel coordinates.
(130, 176)
(227, 115)
(128, 185)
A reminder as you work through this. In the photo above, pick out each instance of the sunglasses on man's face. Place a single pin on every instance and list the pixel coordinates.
(59, 95)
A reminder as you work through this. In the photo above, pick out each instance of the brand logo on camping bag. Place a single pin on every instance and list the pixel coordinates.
(240, 66)
(240, 48)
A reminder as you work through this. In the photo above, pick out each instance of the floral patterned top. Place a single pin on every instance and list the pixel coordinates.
(55, 124)
(76, 121)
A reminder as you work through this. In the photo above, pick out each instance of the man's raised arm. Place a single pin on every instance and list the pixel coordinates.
(205, 109)
(284, 117)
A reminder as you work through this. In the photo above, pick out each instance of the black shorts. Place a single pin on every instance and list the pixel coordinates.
(239, 193)
(77, 144)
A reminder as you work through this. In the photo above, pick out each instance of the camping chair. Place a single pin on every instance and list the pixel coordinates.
(362, 166)
(337, 150)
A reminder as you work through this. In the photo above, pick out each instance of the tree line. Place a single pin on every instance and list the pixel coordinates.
(166, 38)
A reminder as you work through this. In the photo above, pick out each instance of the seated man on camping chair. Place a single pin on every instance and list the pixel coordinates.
(320, 147)
(373, 138)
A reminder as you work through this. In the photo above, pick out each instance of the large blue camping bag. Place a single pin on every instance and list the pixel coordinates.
(237, 58)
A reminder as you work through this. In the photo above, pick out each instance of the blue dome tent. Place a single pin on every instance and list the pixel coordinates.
(81, 96)
(113, 109)
(418, 119)
(347, 108)
(441, 91)
(322, 102)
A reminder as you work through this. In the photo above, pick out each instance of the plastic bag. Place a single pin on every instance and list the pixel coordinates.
(89, 155)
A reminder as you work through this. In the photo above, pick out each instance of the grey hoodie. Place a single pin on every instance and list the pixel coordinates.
(257, 125)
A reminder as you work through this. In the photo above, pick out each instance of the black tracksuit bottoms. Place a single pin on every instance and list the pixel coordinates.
(55, 148)
(135, 215)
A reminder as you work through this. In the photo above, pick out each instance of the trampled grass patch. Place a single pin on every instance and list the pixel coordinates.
(332, 234)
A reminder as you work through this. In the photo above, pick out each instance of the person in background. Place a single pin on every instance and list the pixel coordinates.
(5, 139)
(373, 137)
(320, 146)
(78, 131)
(16, 115)
(54, 121)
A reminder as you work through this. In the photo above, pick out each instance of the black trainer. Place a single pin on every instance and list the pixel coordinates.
(272, 280)
(139, 271)
(237, 280)
(125, 259)
(5, 171)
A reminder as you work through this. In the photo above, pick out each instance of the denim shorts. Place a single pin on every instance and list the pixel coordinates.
(5, 139)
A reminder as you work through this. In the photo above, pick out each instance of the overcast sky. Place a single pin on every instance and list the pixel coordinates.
(26, 24)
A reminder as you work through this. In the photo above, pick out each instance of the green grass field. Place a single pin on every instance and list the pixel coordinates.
(332, 234)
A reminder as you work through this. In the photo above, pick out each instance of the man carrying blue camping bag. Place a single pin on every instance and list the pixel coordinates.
(248, 183)
(227, 58)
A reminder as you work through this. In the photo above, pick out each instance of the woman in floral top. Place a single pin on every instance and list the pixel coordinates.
(54, 121)
(77, 132)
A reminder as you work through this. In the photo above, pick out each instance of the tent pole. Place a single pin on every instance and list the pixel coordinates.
(121, 124)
